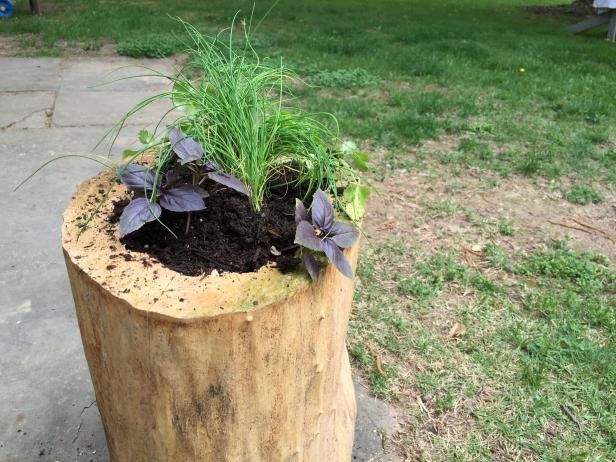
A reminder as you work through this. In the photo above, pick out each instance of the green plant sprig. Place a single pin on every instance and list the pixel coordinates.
(236, 110)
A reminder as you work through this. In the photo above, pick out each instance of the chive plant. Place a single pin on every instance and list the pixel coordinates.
(236, 110)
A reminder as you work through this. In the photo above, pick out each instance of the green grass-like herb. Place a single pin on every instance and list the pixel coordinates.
(236, 108)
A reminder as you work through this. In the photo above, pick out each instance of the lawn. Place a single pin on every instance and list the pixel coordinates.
(485, 307)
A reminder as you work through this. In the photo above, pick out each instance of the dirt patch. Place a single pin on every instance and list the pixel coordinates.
(228, 236)
(576, 8)
(464, 211)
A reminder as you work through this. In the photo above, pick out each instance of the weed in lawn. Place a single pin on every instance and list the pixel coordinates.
(497, 257)
(505, 226)
(339, 78)
(583, 195)
(93, 45)
(150, 46)
(443, 208)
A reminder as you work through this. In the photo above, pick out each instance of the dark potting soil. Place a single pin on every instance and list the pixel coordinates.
(228, 236)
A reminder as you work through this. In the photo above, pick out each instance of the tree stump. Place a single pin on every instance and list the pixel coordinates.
(239, 367)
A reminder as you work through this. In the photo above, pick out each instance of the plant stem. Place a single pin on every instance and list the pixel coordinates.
(194, 183)
(187, 224)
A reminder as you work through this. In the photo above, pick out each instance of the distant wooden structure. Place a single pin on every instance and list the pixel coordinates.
(35, 7)
(606, 13)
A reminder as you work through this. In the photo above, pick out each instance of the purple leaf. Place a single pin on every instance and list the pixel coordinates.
(185, 147)
(136, 177)
(322, 211)
(336, 256)
(229, 181)
(210, 166)
(137, 213)
(305, 236)
(311, 265)
(300, 212)
(181, 199)
(343, 234)
(171, 177)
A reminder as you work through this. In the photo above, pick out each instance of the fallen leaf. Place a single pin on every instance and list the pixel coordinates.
(457, 330)
(377, 359)
(391, 223)
(379, 367)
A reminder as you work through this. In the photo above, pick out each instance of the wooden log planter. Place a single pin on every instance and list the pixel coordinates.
(238, 367)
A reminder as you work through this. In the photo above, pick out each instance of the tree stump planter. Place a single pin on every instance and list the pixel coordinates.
(238, 367)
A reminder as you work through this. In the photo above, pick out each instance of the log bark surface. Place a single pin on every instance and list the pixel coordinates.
(249, 367)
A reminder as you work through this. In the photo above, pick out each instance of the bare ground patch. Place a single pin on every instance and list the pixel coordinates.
(440, 209)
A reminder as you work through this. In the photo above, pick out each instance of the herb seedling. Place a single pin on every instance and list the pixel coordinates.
(151, 195)
(322, 234)
(167, 191)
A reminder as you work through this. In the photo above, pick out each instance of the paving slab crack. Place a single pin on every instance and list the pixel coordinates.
(81, 420)
(26, 117)
(52, 110)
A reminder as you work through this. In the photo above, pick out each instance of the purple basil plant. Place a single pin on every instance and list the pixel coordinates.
(322, 234)
(141, 210)
(169, 195)
(188, 150)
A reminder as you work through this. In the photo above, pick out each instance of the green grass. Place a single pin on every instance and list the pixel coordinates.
(583, 195)
(401, 73)
(505, 227)
(150, 46)
(538, 346)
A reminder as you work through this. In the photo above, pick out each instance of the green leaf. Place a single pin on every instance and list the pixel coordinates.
(182, 96)
(355, 198)
(347, 147)
(129, 153)
(145, 137)
(359, 160)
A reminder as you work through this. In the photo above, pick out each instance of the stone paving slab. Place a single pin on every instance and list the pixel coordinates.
(23, 74)
(104, 108)
(45, 383)
(47, 406)
(375, 421)
(112, 74)
(25, 110)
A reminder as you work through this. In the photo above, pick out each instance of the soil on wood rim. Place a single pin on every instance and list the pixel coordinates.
(228, 236)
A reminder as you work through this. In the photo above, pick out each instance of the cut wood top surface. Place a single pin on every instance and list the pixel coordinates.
(146, 284)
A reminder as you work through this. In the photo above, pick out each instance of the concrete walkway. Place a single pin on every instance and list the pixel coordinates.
(47, 109)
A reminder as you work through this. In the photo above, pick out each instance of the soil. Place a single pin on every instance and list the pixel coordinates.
(408, 205)
(228, 236)
(576, 8)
